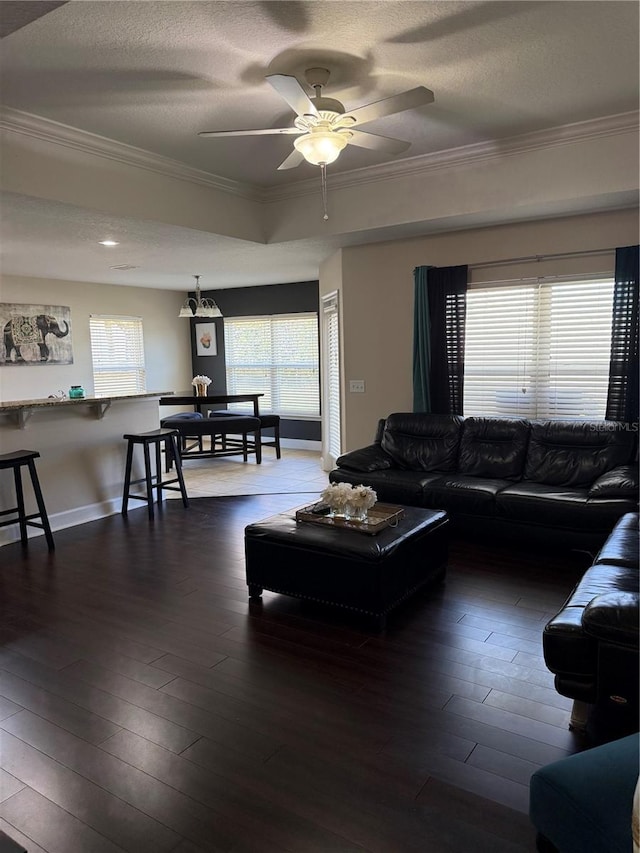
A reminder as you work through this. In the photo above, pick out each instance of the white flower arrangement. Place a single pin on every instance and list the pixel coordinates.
(363, 497)
(337, 495)
(340, 496)
(201, 380)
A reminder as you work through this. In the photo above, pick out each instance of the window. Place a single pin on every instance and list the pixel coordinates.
(277, 356)
(538, 350)
(117, 350)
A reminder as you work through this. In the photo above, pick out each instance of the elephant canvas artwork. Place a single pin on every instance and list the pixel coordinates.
(35, 334)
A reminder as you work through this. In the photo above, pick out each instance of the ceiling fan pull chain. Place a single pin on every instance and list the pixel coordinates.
(323, 182)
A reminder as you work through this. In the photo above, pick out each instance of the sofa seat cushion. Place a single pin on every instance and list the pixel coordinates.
(493, 447)
(575, 453)
(464, 494)
(567, 648)
(558, 506)
(391, 485)
(420, 442)
(623, 545)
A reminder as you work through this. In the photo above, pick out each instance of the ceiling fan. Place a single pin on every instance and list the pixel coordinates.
(323, 126)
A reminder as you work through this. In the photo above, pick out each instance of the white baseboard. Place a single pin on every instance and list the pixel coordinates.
(300, 444)
(92, 512)
(60, 520)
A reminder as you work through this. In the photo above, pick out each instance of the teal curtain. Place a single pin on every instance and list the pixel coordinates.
(438, 339)
(421, 341)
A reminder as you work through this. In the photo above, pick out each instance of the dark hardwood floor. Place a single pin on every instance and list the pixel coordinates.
(146, 706)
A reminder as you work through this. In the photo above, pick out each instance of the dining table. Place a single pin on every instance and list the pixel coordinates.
(211, 399)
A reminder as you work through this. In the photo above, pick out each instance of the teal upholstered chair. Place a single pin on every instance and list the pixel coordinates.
(584, 803)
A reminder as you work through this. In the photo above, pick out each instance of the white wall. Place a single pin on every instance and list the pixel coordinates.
(377, 296)
(166, 336)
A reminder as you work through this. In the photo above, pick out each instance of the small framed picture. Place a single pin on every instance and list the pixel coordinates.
(206, 339)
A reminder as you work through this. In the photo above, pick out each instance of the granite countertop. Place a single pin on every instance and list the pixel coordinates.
(12, 405)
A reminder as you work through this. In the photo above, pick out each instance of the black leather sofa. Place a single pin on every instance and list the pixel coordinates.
(591, 644)
(561, 482)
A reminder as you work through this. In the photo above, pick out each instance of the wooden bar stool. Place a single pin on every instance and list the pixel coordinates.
(159, 438)
(16, 460)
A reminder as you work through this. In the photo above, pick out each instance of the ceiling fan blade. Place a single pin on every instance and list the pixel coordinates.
(293, 93)
(294, 159)
(263, 132)
(378, 143)
(408, 100)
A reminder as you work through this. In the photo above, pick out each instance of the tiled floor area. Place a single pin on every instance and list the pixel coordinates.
(296, 471)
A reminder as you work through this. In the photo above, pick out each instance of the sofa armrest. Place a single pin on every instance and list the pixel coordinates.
(620, 482)
(613, 618)
(370, 458)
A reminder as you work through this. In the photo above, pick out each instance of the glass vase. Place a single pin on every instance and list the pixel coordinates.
(337, 512)
(356, 513)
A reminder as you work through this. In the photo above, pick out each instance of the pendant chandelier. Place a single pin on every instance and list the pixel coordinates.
(199, 307)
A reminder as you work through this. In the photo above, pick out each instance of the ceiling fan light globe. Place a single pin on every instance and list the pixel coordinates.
(321, 147)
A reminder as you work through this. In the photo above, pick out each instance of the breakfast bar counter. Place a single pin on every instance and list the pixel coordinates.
(19, 411)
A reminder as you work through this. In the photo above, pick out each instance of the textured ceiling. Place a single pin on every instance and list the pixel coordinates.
(153, 74)
(15, 14)
(66, 240)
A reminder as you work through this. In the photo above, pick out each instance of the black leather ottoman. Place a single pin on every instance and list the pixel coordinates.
(346, 568)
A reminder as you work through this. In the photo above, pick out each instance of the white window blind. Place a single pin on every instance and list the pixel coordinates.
(538, 350)
(277, 356)
(331, 404)
(117, 350)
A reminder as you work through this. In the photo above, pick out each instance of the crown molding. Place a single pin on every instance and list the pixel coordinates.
(16, 121)
(464, 155)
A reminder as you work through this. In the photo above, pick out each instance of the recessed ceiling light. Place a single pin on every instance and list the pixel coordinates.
(108, 243)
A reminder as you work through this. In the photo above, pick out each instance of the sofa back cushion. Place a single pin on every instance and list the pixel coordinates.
(421, 442)
(575, 453)
(493, 447)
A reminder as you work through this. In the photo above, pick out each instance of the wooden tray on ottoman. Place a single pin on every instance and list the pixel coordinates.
(378, 517)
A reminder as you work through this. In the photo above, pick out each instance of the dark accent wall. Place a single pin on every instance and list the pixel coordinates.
(300, 297)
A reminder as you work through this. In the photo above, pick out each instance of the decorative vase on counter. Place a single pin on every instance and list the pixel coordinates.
(76, 392)
(201, 390)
